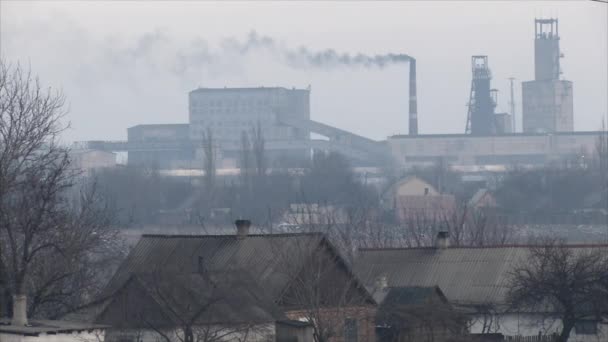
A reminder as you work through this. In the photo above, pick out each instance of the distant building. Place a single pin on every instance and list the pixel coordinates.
(524, 149)
(162, 145)
(412, 198)
(87, 160)
(230, 111)
(547, 101)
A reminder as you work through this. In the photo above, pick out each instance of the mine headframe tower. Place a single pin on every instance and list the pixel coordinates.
(482, 99)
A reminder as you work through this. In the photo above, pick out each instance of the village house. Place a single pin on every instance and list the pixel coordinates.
(413, 198)
(416, 314)
(475, 281)
(278, 287)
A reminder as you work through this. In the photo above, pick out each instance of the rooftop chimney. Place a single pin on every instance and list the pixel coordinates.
(382, 282)
(443, 240)
(413, 122)
(242, 228)
(19, 310)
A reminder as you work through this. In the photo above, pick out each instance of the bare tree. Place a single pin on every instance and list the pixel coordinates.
(259, 151)
(245, 165)
(567, 281)
(324, 292)
(209, 161)
(466, 225)
(47, 243)
(206, 306)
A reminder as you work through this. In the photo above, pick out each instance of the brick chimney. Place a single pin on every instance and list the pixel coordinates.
(242, 228)
(443, 240)
(19, 310)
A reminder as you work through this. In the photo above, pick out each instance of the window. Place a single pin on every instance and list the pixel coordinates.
(350, 330)
(586, 328)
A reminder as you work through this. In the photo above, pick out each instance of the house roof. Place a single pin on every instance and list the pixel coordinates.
(392, 190)
(466, 275)
(255, 253)
(266, 262)
(210, 298)
(409, 295)
(478, 197)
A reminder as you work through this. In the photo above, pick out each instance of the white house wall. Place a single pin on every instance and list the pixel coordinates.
(94, 336)
(531, 325)
(260, 333)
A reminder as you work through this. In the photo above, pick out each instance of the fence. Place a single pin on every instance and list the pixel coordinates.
(538, 338)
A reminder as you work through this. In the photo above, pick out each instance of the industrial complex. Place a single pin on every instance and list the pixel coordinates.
(283, 115)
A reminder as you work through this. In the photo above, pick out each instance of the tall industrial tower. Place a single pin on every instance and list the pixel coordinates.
(547, 104)
(482, 101)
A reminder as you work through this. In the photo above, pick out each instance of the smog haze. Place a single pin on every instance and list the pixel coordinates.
(127, 63)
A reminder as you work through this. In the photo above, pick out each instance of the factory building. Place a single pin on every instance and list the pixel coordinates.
(162, 145)
(230, 111)
(528, 149)
(547, 101)
(284, 118)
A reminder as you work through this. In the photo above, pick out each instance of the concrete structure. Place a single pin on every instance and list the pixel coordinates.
(481, 119)
(87, 160)
(284, 118)
(166, 145)
(526, 149)
(230, 111)
(547, 101)
(503, 122)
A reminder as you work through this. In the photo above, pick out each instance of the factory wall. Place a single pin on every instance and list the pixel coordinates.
(230, 111)
(161, 132)
(459, 149)
(547, 106)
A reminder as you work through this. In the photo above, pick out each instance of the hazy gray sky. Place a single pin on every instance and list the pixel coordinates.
(126, 63)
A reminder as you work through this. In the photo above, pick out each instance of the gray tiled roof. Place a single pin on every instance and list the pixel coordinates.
(467, 276)
(213, 298)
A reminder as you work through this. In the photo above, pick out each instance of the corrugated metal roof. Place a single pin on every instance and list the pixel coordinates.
(263, 256)
(465, 275)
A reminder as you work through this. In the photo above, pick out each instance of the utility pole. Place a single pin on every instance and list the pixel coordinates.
(512, 104)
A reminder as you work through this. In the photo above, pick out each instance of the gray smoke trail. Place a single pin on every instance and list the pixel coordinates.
(200, 55)
(304, 57)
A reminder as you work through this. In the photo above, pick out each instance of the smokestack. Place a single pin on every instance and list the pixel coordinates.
(413, 124)
(19, 310)
(242, 228)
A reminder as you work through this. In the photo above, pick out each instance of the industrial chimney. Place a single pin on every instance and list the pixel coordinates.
(413, 122)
